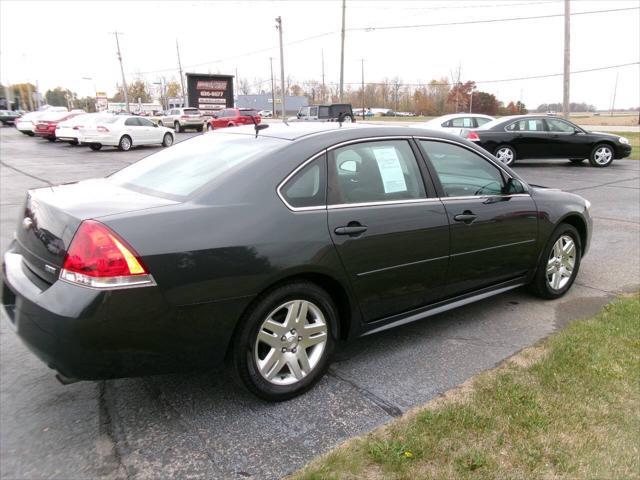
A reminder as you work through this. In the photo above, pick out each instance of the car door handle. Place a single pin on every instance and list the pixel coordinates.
(353, 228)
(466, 217)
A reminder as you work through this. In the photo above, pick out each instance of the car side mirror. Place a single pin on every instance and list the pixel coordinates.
(514, 186)
(576, 131)
(155, 125)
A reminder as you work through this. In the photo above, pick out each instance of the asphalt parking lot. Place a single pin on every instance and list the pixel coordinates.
(204, 426)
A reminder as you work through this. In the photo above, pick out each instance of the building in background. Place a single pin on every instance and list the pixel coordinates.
(264, 102)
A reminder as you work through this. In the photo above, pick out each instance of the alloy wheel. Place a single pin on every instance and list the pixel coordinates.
(290, 342)
(561, 263)
(603, 155)
(505, 155)
(125, 143)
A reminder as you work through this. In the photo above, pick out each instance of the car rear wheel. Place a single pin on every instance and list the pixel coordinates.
(601, 155)
(125, 143)
(176, 127)
(506, 154)
(199, 129)
(51, 139)
(95, 146)
(285, 342)
(167, 140)
(559, 263)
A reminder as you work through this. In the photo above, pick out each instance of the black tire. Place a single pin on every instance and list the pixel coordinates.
(200, 128)
(51, 139)
(167, 140)
(577, 160)
(540, 284)
(598, 157)
(125, 143)
(209, 127)
(95, 146)
(75, 143)
(242, 358)
(177, 128)
(160, 124)
(498, 153)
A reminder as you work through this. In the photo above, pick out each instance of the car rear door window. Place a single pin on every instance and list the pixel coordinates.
(462, 122)
(481, 121)
(308, 187)
(374, 172)
(132, 122)
(527, 125)
(461, 172)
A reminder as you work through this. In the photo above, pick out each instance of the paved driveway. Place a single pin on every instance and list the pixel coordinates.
(203, 426)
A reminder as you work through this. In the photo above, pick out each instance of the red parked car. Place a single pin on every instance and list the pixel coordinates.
(233, 117)
(46, 125)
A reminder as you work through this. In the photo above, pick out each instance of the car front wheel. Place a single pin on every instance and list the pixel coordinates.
(285, 342)
(559, 263)
(506, 154)
(167, 140)
(601, 156)
(176, 127)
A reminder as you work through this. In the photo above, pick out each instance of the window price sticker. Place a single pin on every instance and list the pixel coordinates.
(390, 169)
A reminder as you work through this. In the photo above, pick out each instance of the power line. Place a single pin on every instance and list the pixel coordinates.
(492, 20)
(369, 6)
(532, 77)
(325, 34)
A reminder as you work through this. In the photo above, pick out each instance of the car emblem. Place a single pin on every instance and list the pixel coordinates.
(27, 223)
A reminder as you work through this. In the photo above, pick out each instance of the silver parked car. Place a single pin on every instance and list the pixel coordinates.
(182, 118)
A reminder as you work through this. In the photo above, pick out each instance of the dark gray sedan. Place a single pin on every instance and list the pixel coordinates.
(264, 248)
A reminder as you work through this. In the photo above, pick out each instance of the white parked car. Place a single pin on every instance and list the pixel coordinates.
(27, 123)
(455, 122)
(181, 118)
(69, 130)
(266, 113)
(124, 132)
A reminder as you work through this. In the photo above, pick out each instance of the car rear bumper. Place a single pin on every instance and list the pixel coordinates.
(45, 133)
(91, 334)
(101, 139)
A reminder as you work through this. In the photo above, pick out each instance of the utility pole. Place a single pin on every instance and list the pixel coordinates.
(344, 7)
(323, 87)
(567, 55)
(613, 100)
(362, 66)
(279, 27)
(185, 102)
(273, 89)
(124, 82)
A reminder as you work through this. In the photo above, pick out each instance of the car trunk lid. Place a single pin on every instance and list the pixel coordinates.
(52, 215)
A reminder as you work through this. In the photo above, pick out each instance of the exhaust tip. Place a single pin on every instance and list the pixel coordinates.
(65, 380)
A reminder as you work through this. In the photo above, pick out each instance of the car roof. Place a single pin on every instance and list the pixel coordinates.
(298, 130)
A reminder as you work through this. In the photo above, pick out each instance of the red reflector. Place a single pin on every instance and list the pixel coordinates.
(96, 251)
(473, 136)
(100, 128)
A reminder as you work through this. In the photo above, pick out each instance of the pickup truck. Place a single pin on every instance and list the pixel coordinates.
(325, 113)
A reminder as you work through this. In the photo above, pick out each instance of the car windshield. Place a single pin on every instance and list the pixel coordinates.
(179, 171)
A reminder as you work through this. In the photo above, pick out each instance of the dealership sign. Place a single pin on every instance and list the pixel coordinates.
(209, 93)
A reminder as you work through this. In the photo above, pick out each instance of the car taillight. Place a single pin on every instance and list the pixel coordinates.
(473, 136)
(102, 129)
(99, 258)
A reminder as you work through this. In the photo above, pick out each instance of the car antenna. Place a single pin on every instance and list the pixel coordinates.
(258, 127)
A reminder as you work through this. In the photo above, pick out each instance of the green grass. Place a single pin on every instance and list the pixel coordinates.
(634, 139)
(566, 409)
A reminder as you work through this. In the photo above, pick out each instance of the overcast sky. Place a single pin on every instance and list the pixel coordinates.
(57, 43)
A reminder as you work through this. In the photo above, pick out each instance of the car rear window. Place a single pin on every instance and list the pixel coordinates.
(191, 111)
(248, 113)
(181, 170)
